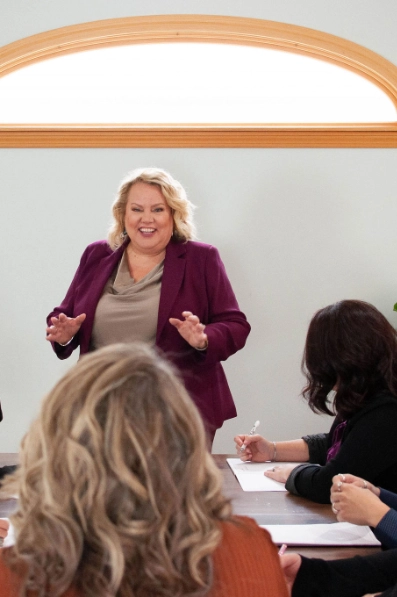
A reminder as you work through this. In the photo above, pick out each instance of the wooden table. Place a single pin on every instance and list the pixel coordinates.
(279, 507)
(266, 507)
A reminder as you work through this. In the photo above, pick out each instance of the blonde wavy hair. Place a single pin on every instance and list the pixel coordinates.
(174, 194)
(118, 495)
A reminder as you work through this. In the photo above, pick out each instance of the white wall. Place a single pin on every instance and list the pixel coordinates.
(297, 228)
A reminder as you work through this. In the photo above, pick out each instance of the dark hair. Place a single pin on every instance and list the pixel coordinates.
(352, 345)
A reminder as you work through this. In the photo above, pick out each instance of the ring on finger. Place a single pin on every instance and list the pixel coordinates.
(365, 484)
(342, 477)
(339, 485)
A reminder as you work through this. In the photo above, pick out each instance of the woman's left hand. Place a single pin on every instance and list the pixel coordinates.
(280, 473)
(356, 505)
(290, 564)
(191, 329)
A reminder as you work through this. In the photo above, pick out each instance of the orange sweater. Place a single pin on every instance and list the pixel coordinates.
(246, 564)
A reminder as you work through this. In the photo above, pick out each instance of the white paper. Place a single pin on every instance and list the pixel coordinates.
(335, 533)
(250, 475)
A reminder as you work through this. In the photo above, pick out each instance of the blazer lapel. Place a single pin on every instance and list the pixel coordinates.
(99, 275)
(174, 271)
(94, 282)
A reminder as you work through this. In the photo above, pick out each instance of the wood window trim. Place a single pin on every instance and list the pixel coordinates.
(210, 29)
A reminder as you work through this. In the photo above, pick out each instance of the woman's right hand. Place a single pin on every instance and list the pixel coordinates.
(63, 328)
(290, 564)
(257, 448)
(358, 481)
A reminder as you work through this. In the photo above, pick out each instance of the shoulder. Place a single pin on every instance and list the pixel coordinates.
(246, 562)
(203, 251)
(379, 403)
(194, 245)
(385, 398)
(97, 250)
(192, 250)
(100, 247)
(190, 246)
(379, 413)
(10, 582)
(244, 531)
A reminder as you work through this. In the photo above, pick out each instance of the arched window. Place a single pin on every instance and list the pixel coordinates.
(182, 80)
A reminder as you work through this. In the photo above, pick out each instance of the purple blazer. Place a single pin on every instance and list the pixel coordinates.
(195, 280)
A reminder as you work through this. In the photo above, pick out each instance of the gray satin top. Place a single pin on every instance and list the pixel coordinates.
(127, 311)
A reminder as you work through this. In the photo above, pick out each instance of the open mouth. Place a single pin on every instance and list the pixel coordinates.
(147, 230)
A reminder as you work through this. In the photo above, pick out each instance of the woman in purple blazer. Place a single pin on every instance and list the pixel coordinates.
(150, 282)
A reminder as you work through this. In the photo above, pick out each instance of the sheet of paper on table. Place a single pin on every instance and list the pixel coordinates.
(333, 534)
(250, 475)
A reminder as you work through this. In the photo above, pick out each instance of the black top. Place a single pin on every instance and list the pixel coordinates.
(352, 577)
(368, 450)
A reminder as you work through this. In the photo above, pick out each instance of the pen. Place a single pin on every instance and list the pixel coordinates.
(254, 428)
(282, 549)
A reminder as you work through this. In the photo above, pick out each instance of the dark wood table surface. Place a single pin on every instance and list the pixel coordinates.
(266, 507)
(279, 507)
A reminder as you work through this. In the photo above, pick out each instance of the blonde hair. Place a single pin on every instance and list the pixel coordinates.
(174, 194)
(118, 494)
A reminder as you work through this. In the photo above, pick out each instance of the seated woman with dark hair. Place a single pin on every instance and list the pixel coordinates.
(350, 362)
(118, 495)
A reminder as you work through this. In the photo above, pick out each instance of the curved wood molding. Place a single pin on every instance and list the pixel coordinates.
(210, 29)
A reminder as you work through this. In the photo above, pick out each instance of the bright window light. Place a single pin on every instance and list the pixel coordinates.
(187, 83)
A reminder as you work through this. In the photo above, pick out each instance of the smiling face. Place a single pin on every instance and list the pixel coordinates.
(148, 219)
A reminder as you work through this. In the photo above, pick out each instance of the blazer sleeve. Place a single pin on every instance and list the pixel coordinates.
(227, 327)
(386, 529)
(389, 498)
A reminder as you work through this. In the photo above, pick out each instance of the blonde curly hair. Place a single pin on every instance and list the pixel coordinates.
(118, 494)
(174, 194)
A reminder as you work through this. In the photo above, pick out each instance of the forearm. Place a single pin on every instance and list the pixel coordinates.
(347, 577)
(295, 450)
(227, 327)
(225, 338)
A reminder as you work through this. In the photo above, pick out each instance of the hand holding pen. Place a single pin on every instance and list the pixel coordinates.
(254, 447)
(252, 432)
